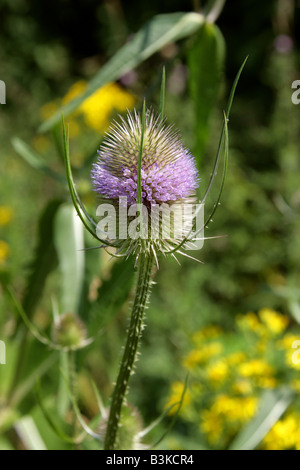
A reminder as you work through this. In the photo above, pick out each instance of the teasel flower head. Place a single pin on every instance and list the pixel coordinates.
(168, 178)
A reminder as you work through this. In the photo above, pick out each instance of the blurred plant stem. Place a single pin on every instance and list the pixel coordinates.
(145, 268)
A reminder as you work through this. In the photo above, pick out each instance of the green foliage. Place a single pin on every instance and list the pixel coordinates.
(205, 61)
(241, 383)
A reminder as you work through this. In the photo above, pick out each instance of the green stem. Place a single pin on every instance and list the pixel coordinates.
(134, 333)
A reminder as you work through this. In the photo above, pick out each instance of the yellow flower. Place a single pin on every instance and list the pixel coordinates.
(255, 367)
(177, 389)
(274, 321)
(287, 341)
(239, 409)
(283, 435)
(201, 355)
(4, 251)
(292, 358)
(76, 90)
(211, 424)
(266, 382)
(291, 343)
(98, 107)
(251, 322)
(5, 215)
(218, 371)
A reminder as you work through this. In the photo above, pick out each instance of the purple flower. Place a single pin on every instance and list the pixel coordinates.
(169, 179)
(168, 171)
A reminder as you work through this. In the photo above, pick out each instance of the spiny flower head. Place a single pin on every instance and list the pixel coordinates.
(168, 173)
(168, 170)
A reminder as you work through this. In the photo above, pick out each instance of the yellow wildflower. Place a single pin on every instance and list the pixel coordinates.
(211, 425)
(76, 90)
(4, 251)
(283, 434)
(292, 357)
(218, 371)
(98, 107)
(291, 343)
(274, 321)
(177, 389)
(201, 355)
(239, 409)
(251, 322)
(247, 408)
(255, 367)
(266, 382)
(287, 341)
(5, 215)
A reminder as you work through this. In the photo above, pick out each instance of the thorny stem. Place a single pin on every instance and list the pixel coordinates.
(145, 267)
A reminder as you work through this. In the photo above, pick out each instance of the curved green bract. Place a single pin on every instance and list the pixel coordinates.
(75, 198)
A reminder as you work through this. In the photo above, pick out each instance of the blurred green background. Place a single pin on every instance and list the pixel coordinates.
(48, 52)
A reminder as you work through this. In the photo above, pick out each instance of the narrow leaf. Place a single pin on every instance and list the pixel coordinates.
(162, 94)
(107, 306)
(69, 243)
(273, 405)
(206, 61)
(157, 33)
(29, 434)
(44, 260)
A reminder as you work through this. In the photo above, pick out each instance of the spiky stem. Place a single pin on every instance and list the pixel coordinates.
(145, 267)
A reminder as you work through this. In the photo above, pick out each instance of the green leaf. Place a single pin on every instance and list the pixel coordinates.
(206, 61)
(157, 33)
(29, 434)
(112, 294)
(25, 387)
(69, 243)
(49, 418)
(176, 414)
(44, 261)
(162, 94)
(273, 405)
(93, 258)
